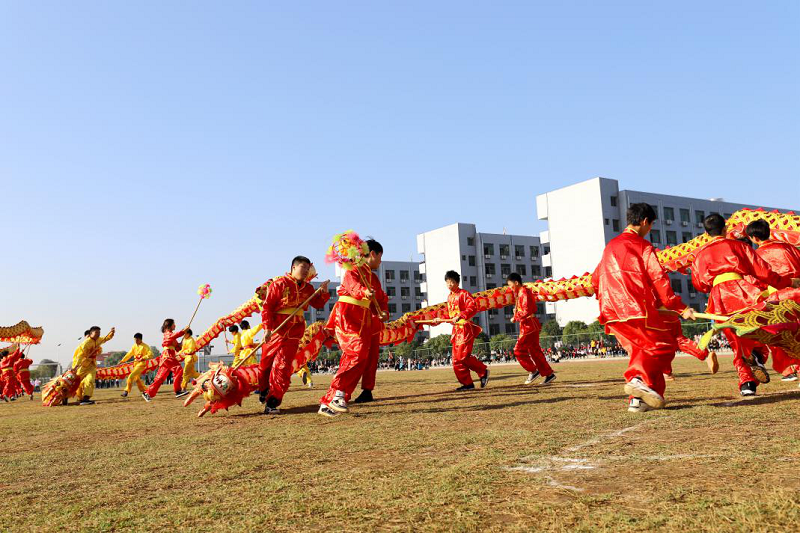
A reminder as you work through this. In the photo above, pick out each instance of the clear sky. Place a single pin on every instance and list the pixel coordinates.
(149, 147)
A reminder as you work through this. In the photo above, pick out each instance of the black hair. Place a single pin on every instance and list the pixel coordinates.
(300, 259)
(714, 224)
(638, 213)
(452, 274)
(233, 329)
(94, 328)
(137, 336)
(188, 332)
(244, 324)
(86, 333)
(168, 323)
(374, 246)
(514, 276)
(758, 229)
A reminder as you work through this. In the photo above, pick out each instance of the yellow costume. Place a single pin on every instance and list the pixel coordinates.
(305, 376)
(237, 345)
(140, 353)
(86, 366)
(188, 349)
(248, 342)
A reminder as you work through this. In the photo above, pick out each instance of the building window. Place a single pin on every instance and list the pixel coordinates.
(392, 309)
(418, 307)
(615, 224)
(490, 269)
(548, 272)
(470, 241)
(490, 286)
(405, 293)
(488, 250)
(677, 286)
(508, 310)
(494, 329)
(391, 292)
(686, 236)
(330, 307)
(511, 328)
(613, 201)
(536, 270)
(493, 313)
(540, 308)
(332, 292)
(390, 275)
(471, 260)
(655, 236)
(473, 281)
(504, 251)
(505, 270)
(534, 251)
(522, 270)
(406, 308)
(417, 293)
(685, 217)
(463, 257)
(699, 216)
(672, 238)
(519, 251)
(669, 215)
(404, 276)
(417, 277)
(307, 316)
(606, 221)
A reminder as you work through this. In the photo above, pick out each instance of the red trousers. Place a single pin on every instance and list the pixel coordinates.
(167, 366)
(650, 351)
(464, 361)
(371, 369)
(25, 381)
(530, 355)
(783, 362)
(355, 356)
(11, 386)
(275, 366)
(742, 347)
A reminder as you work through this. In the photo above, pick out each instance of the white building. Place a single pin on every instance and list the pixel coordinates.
(583, 217)
(483, 260)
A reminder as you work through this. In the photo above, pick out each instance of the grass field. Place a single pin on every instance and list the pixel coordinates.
(509, 457)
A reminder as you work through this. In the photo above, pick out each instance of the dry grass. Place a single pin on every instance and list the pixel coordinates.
(567, 457)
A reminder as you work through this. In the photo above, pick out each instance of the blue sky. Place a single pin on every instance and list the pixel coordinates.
(149, 147)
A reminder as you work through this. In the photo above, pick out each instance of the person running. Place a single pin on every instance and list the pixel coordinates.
(141, 353)
(527, 349)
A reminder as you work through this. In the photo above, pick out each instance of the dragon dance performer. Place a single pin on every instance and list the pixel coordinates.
(631, 285)
(527, 349)
(719, 269)
(351, 321)
(247, 342)
(170, 362)
(141, 353)
(284, 296)
(77, 351)
(10, 383)
(21, 368)
(189, 353)
(784, 259)
(86, 367)
(236, 342)
(461, 307)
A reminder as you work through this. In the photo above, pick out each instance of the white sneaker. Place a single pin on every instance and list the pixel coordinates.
(324, 410)
(637, 388)
(637, 406)
(533, 376)
(338, 403)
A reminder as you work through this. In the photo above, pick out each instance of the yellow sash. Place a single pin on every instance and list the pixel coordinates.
(286, 310)
(354, 301)
(728, 276)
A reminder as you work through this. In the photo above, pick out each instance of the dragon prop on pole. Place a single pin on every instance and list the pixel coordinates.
(21, 333)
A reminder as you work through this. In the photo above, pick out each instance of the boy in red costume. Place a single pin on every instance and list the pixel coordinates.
(352, 321)
(24, 374)
(784, 259)
(631, 285)
(170, 363)
(461, 307)
(719, 269)
(285, 294)
(10, 384)
(527, 350)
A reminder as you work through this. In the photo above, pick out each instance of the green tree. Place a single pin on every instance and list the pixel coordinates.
(501, 342)
(551, 332)
(439, 345)
(575, 332)
(45, 370)
(114, 358)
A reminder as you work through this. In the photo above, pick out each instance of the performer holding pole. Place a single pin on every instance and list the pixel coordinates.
(86, 367)
(170, 363)
(24, 374)
(141, 353)
(527, 350)
(631, 285)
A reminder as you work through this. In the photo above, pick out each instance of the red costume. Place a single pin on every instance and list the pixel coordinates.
(284, 295)
(371, 369)
(461, 307)
(11, 385)
(719, 269)
(24, 374)
(527, 350)
(631, 285)
(685, 345)
(784, 259)
(169, 363)
(352, 322)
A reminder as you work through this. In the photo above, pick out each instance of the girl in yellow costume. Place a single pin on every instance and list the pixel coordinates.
(236, 342)
(86, 366)
(188, 351)
(248, 342)
(140, 353)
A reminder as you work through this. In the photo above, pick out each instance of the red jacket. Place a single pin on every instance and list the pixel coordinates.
(286, 293)
(630, 283)
(171, 346)
(729, 256)
(783, 258)
(355, 314)
(10, 359)
(461, 306)
(524, 311)
(22, 365)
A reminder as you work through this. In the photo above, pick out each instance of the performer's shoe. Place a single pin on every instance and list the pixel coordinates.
(757, 366)
(271, 410)
(310, 384)
(549, 379)
(324, 410)
(63, 402)
(637, 406)
(262, 396)
(485, 379)
(789, 377)
(637, 388)
(533, 376)
(182, 393)
(338, 403)
(669, 377)
(748, 389)
(31, 396)
(364, 397)
(712, 362)
(124, 394)
(466, 387)
(86, 401)
(147, 397)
